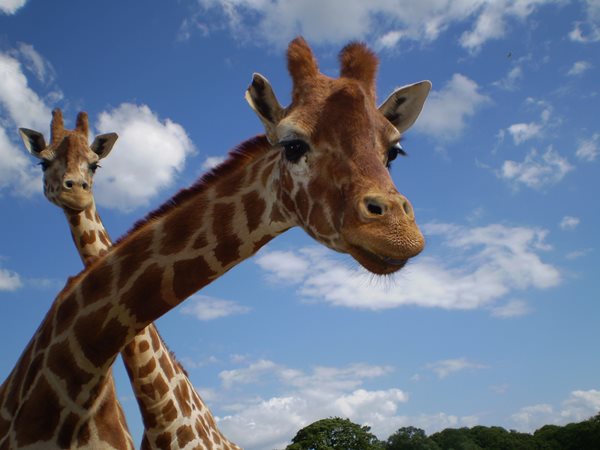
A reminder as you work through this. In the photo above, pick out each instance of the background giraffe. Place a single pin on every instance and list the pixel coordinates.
(322, 165)
(68, 183)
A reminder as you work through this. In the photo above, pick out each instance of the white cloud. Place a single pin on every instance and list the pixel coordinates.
(145, 159)
(306, 396)
(569, 223)
(576, 254)
(451, 366)
(20, 106)
(484, 265)
(509, 82)
(36, 63)
(588, 149)
(11, 6)
(579, 406)
(588, 30)
(579, 67)
(276, 22)
(21, 103)
(536, 171)
(512, 308)
(522, 132)
(207, 308)
(9, 281)
(446, 111)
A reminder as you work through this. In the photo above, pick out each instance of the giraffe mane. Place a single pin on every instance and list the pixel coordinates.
(237, 159)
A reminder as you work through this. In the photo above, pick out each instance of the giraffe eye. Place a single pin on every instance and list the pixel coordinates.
(295, 149)
(94, 167)
(393, 153)
(44, 164)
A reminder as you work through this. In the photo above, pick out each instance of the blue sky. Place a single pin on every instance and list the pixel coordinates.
(496, 323)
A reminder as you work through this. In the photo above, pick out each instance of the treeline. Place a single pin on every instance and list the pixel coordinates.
(342, 434)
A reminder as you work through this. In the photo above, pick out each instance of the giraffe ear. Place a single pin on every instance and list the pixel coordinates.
(34, 141)
(405, 104)
(103, 144)
(262, 100)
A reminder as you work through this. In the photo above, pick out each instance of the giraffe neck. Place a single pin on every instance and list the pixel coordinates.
(168, 401)
(88, 233)
(203, 232)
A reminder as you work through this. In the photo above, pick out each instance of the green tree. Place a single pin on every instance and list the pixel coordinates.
(455, 439)
(335, 434)
(410, 438)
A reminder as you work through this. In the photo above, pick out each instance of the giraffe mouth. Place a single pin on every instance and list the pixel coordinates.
(377, 264)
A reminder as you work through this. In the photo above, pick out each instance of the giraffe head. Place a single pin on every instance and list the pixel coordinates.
(68, 162)
(336, 149)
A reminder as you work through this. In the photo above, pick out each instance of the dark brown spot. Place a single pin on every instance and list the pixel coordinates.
(33, 371)
(67, 430)
(261, 242)
(182, 396)
(75, 220)
(163, 441)
(143, 346)
(100, 344)
(146, 369)
(227, 250)
(104, 238)
(228, 187)
(189, 276)
(185, 435)
(84, 434)
(160, 386)
(132, 254)
(95, 283)
(107, 421)
(62, 363)
(169, 412)
(65, 314)
(179, 225)
(86, 238)
(254, 207)
(302, 203)
(38, 416)
(144, 298)
(166, 366)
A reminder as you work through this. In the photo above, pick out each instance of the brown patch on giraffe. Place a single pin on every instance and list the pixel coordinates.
(188, 274)
(100, 346)
(144, 299)
(169, 411)
(33, 371)
(163, 441)
(182, 392)
(84, 435)
(43, 338)
(203, 432)
(228, 188)
(87, 238)
(143, 347)
(96, 283)
(161, 387)
(107, 421)
(75, 220)
(166, 366)
(62, 363)
(67, 431)
(39, 412)
(148, 390)
(318, 219)
(147, 369)
(254, 208)
(185, 435)
(215, 437)
(155, 337)
(132, 254)
(179, 226)
(65, 314)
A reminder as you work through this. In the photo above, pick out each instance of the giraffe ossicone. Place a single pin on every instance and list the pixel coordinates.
(323, 166)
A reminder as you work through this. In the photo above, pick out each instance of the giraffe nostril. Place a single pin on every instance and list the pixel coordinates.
(85, 186)
(69, 184)
(374, 207)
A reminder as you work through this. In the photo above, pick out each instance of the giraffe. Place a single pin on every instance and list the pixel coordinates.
(69, 167)
(322, 164)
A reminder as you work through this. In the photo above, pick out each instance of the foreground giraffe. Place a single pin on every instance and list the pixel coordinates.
(321, 166)
(69, 165)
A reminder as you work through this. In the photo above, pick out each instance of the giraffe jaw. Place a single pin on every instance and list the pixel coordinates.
(379, 265)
